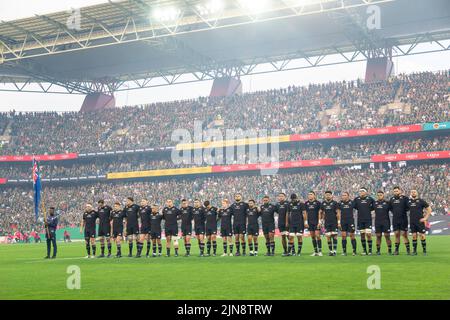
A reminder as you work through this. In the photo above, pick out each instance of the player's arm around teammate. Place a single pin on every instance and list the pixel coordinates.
(338, 217)
(319, 231)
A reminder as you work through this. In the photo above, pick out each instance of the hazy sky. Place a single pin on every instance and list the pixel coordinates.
(16, 9)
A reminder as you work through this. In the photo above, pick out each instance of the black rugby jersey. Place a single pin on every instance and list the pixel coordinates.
(312, 211)
(90, 219)
(364, 207)
(104, 216)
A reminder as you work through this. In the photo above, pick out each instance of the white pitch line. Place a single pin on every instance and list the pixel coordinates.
(45, 260)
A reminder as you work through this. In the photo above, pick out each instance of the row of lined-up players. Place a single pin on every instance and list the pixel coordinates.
(241, 220)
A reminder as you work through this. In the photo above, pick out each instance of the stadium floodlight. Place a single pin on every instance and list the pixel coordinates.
(255, 6)
(210, 7)
(166, 14)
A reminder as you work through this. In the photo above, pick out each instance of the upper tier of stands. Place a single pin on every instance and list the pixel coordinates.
(404, 99)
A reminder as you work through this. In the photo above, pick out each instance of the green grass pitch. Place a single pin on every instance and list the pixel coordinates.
(25, 275)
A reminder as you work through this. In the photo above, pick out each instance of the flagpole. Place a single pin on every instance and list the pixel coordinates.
(45, 214)
(44, 210)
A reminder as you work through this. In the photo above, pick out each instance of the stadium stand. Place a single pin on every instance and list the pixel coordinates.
(432, 182)
(324, 107)
(305, 151)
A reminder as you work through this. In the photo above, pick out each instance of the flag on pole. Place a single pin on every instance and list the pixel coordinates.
(36, 187)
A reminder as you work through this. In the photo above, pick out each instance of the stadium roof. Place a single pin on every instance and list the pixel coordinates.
(143, 43)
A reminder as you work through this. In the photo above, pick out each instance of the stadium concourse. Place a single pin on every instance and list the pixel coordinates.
(406, 100)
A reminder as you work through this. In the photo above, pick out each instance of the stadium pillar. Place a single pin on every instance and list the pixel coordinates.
(379, 69)
(97, 101)
(225, 87)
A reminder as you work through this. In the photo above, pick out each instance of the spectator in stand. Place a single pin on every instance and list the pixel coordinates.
(35, 236)
(17, 236)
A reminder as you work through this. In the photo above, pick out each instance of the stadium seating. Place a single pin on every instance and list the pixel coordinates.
(16, 204)
(305, 151)
(419, 98)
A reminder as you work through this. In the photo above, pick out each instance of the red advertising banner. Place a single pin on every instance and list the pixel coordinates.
(3, 180)
(274, 165)
(355, 133)
(411, 156)
(40, 157)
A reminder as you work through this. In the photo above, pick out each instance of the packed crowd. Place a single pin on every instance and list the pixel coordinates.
(21, 237)
(3, 124)
(432, 182)
(352, 151)
(306, 151)
(292, 110)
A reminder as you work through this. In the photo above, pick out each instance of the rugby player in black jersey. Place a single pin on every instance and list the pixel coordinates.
(198, 212)
(211, 227)
(88, 223)
(155, 229)
(170, 215)
(364, 205)
(117, 220)
(252, 227)
(267, 211)
(281, 209)
(186, 225)
(226, 231)
(239, 210)
(104, 228)
(332, 217)
(347, 222)
(297, 218)
(132, 230)
(419, 212)
(312, 208)
(144, 214)
(382, 221)
(399, 208)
